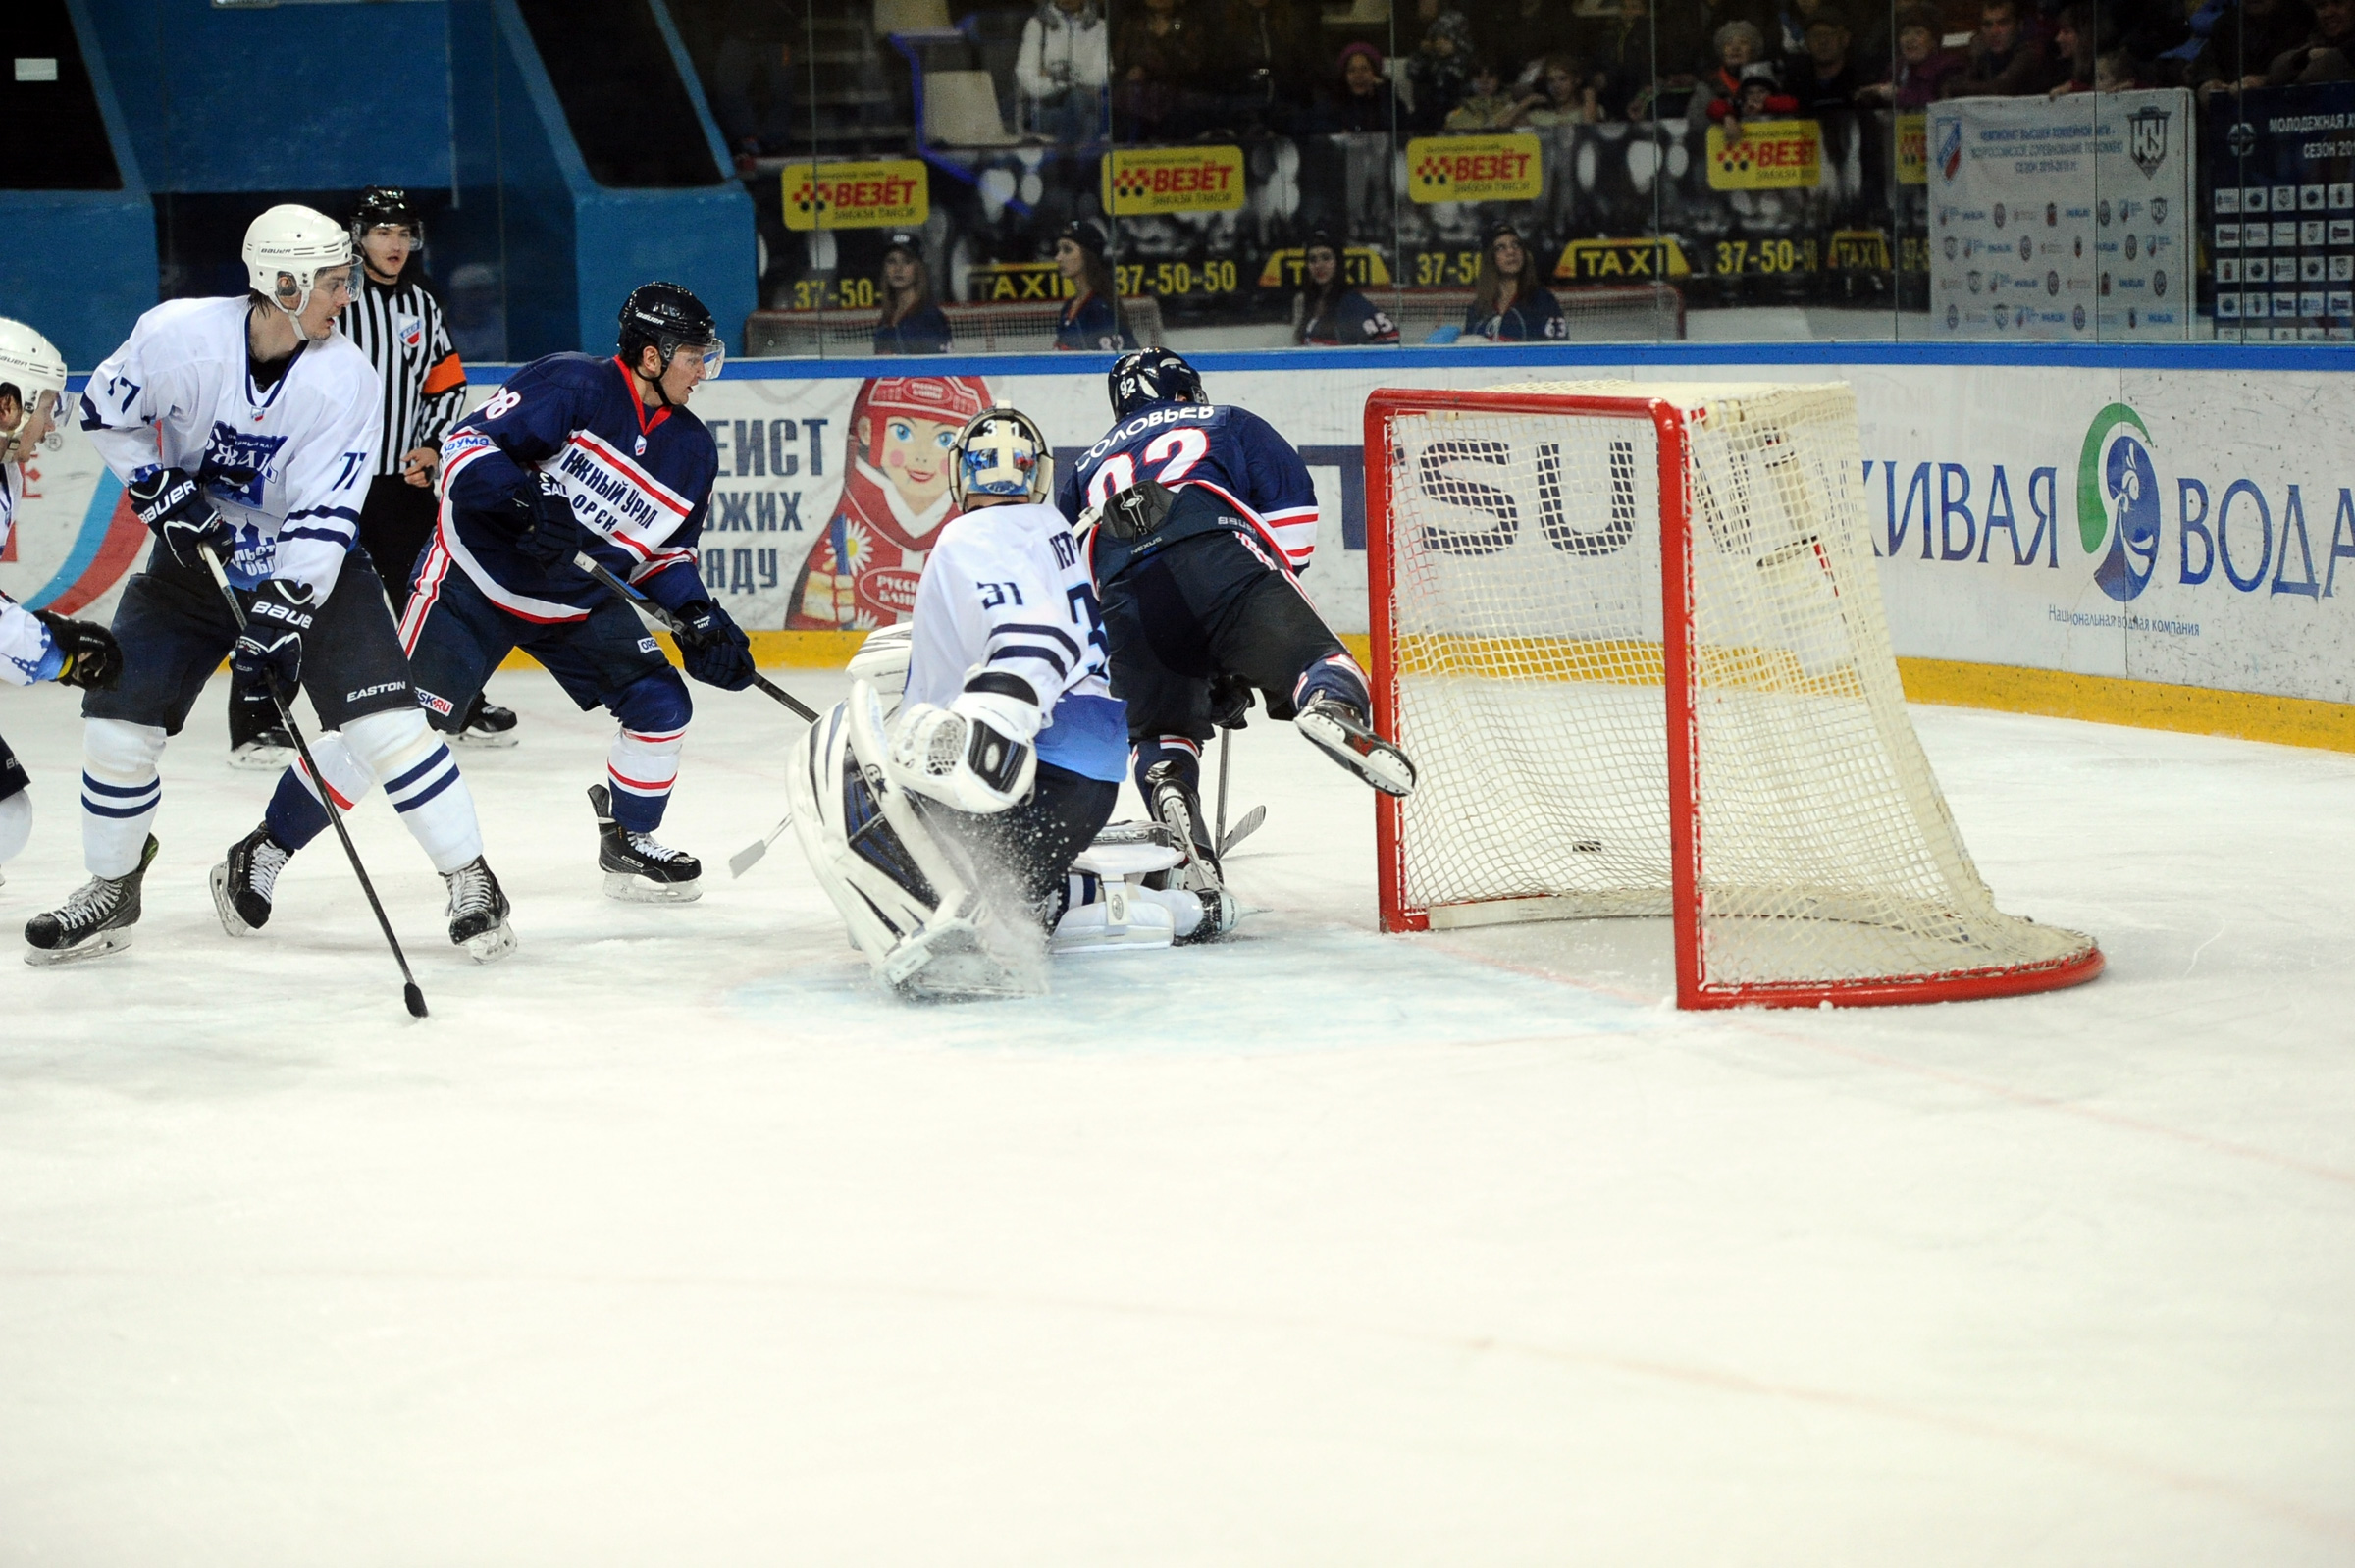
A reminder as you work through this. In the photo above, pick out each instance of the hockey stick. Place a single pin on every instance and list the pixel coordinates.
(412, 998)
(744, 860)
(671, 624)
(1251, 819)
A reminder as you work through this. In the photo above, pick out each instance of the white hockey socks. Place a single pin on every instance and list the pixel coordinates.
(420, 778)
(16, 825)
(120, 793)
(642, 769)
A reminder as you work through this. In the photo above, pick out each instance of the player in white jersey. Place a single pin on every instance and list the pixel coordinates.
(34, 644)
(241, 429)
(1006, 731)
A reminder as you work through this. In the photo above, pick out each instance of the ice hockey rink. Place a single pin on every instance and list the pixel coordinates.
(672, 1239)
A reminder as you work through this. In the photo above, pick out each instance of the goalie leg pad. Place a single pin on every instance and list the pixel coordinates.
(910, 900)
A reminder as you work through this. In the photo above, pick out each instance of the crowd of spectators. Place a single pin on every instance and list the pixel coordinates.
(1173, 70)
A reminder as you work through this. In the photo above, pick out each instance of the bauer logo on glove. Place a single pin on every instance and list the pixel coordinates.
(975, 755)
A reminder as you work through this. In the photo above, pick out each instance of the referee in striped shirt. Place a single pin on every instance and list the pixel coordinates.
(396, 321)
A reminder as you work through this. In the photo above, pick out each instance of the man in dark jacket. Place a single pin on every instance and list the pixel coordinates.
(2006, 60)
(2327, 55)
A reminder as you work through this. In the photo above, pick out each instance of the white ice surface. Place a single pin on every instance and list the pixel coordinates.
(672, 1240)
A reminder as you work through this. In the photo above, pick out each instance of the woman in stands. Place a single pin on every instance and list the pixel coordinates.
(1091, 317)
(912, 322)
(1508, 303)
(1362, 102)
(1333, 315)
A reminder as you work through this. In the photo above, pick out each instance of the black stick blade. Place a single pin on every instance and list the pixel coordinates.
(414, 998)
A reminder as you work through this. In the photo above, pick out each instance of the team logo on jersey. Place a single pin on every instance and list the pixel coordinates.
(238, 466)
(640, 448)
(410, 330)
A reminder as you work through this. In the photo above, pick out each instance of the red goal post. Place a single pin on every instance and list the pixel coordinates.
(1674, 696)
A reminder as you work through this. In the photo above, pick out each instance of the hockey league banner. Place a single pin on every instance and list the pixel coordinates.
(2184, 527)
(2063, 218)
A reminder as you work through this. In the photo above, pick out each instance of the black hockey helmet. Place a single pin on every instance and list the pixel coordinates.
(383, 205)
(668, 318)
(1152, 376)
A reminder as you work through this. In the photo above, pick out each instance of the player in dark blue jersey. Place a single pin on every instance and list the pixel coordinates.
(1199, 520)
(1508, 303)
(1091, 318)
(1331, 313)
(582, 454)
(912, 319)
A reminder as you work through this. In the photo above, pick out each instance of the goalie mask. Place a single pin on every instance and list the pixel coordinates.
(1000, 453)
(286, 249)
(32, 368)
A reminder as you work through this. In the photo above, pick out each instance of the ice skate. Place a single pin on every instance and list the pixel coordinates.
(1177, 807)
(488, 726)
(244, 882)
(478, 912)
(96, 920)
(638, 869)
(1343, 733)
(269, 752)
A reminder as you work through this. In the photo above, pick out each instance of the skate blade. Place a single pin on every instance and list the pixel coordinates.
(261, 759)
(953, 962)
(227, 906)
(485, 741)
(488, 947)
(1380, 764)
(631, 888)
(96, 947)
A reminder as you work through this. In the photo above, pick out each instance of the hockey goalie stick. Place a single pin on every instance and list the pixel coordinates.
(411, 997)
(670, 623)
(744, 860)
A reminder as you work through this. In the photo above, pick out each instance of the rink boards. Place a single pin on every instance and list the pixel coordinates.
(2145, 536)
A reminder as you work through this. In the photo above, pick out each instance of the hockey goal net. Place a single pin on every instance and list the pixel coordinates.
(1633, 639)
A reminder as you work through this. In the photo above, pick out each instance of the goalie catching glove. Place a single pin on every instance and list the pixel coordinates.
(974, 755)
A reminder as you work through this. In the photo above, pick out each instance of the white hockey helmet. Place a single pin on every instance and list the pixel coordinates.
(286, 250)
(1001, 451)
(30, 364)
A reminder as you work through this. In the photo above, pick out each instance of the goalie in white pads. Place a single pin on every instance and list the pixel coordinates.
(947, 832)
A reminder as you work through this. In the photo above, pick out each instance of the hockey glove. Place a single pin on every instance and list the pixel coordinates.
(712, 646)
(270, 653)
(974, 755)
(173, 506)
(548, 534)
(93, 659)
(1230, 700)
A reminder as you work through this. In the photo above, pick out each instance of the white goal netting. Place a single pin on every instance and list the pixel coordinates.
(1527, 647)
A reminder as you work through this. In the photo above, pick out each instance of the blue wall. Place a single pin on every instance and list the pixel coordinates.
(316, 97)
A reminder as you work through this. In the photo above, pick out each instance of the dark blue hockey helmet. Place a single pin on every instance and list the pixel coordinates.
(1152, 376)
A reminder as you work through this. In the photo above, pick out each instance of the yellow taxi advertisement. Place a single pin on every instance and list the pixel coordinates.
(892, 193)
(1768, 155)
(1151, 179)
(1502, 168)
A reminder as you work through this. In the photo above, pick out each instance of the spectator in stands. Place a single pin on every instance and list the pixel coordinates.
(1363, 101)
(1761, 97)
(1332, 314)
(2006, 60)
(912, 321)
(1265, 63)
(1788, 37)
(2118, 72)
(1485, 106)
(1440, 73)
(2327, 55)
(2245, 37)
(1687, 34)
(1508, 303)
(1157, 60)
(752, 80)
(1825, 80)
(1739, 46)
(2077, 40)
(1566, 95)
(1091, 317)
(1923, 67)
(1624, 81)
(1062, 69)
